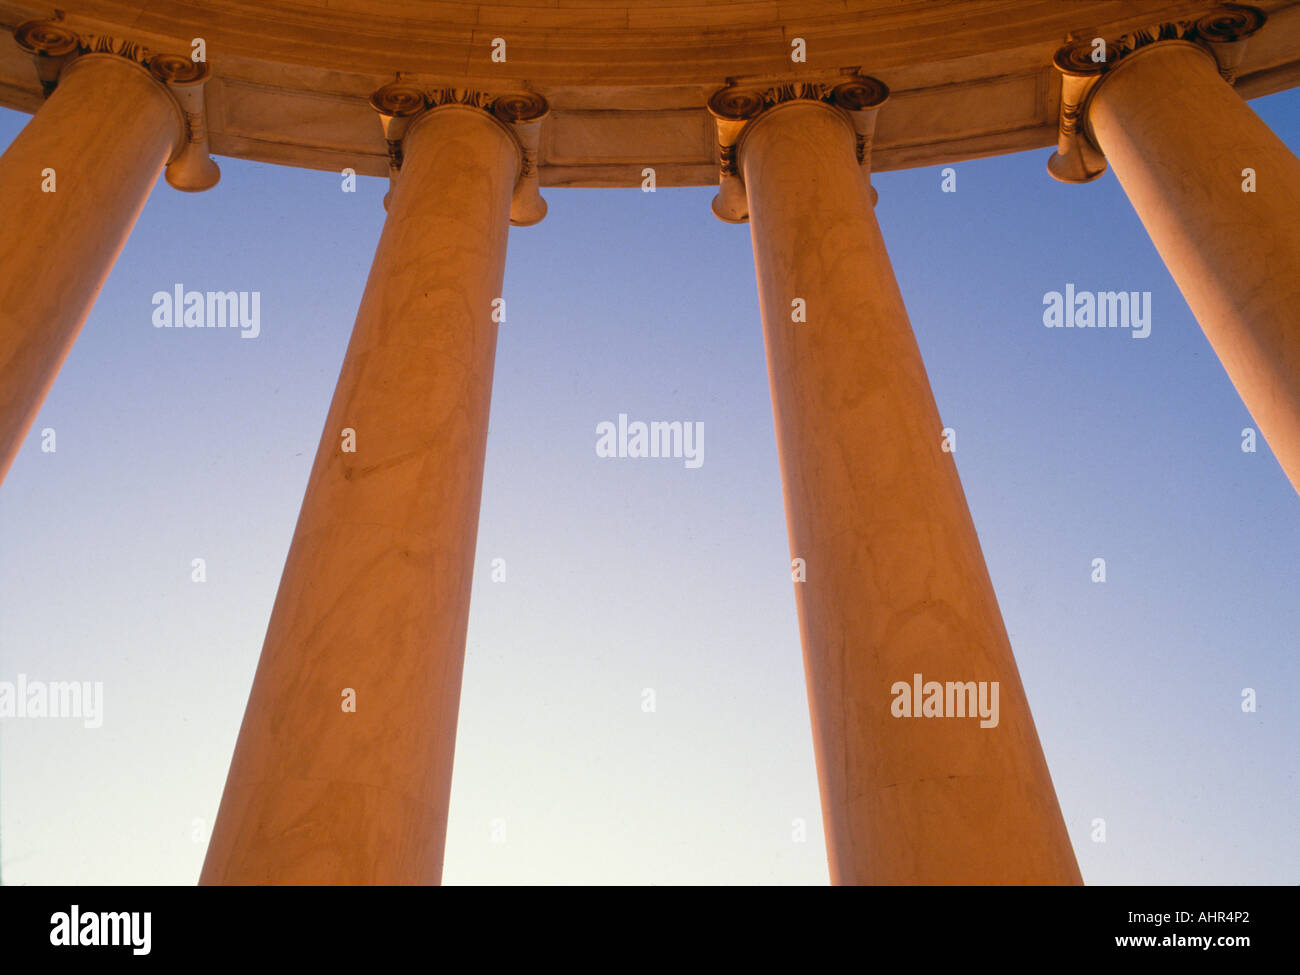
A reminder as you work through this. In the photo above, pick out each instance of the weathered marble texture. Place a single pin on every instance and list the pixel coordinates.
(896, 582)
(375, 592)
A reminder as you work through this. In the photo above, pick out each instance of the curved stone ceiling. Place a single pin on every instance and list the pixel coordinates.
(628, 81)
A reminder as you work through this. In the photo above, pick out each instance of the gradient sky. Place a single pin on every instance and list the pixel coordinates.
(632, 574)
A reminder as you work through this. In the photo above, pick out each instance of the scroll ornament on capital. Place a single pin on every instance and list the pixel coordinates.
(1222, 32)
(522, 112)
(53, 46)
(735, 106)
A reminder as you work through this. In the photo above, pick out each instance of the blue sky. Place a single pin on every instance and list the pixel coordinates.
(631, 574)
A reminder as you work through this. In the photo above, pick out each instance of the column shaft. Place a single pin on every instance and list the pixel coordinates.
(375, 592)
(1179, 139)
(105, 133)
(896, 583)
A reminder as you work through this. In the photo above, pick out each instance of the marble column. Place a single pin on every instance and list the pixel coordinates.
(99, 142)
(894, 580)
(374, 600)
(1180, 140)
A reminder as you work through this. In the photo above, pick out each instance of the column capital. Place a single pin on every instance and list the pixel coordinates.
(1085, 62)
(55, 47)
(853, 97)
(519, 113)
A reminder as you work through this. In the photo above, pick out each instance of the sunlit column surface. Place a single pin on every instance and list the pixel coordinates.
(895, 580)
(71, 187)
(1181, 141)
(375, 592)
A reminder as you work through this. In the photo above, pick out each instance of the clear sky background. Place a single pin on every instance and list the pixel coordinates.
(631, 574)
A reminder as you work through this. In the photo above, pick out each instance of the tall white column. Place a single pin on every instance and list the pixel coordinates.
(1214, 187)
(71, 187)
(374, 600)
(1219, 194)
(894, 583)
